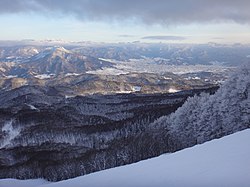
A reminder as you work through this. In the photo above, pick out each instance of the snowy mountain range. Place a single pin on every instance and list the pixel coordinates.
(171, 54)
(74, 110)
(53, 61)
(116, 68)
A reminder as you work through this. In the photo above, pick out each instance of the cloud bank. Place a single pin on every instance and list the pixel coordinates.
(167, 38)
(147, 11)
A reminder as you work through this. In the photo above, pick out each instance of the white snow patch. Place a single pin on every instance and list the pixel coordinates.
(32, 107)
(44, 76)
(35, 51)
(173, 90)
(69, 96)
(62, 49)
(42, 54)
(137, 88)
(196, 78)
(167, 78)
(10, 57)
(108, 60)
(222, 162)
(123, 92)
(108, 71)
(72, 74)
(11, 76)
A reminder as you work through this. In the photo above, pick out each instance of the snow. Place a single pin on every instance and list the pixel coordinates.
(11, 133)
(108, 60)
(11, 76)
(62, 49)
(50, 51)
(124, 92)
(167, 78)
(44, 76)
(35, 51)
(42, 54)
(148, 65)
(20, 183)
(71, 74)
(173, 90)
(137, 88)
(10, 57)
(69, 96)
(223, 162)
(196, 78)
(32, 107)
(108, 71)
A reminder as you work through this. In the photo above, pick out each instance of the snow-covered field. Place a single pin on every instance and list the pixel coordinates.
(149, 66)
(219, 163)
(142, 66)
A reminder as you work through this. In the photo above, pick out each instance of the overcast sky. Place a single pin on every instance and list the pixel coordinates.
(183, 21)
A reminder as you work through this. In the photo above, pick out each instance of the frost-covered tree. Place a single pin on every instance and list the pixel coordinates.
(205, 117)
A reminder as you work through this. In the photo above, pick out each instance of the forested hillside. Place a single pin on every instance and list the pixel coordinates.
(206, 117)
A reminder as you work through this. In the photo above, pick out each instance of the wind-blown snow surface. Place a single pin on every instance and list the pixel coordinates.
(223, 162)
(22, 183)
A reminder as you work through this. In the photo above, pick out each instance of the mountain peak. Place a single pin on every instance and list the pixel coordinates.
(53, 51)
(59, 49)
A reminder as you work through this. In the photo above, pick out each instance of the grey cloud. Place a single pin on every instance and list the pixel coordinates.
(147, 11)
(7, 6)
(169, 38)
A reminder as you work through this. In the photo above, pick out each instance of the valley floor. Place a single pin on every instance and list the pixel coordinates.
(223, 162)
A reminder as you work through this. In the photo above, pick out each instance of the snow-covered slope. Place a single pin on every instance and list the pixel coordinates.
(223, 162)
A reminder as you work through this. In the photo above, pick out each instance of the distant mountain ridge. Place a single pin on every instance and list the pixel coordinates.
(118, 68)
(56, 60)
